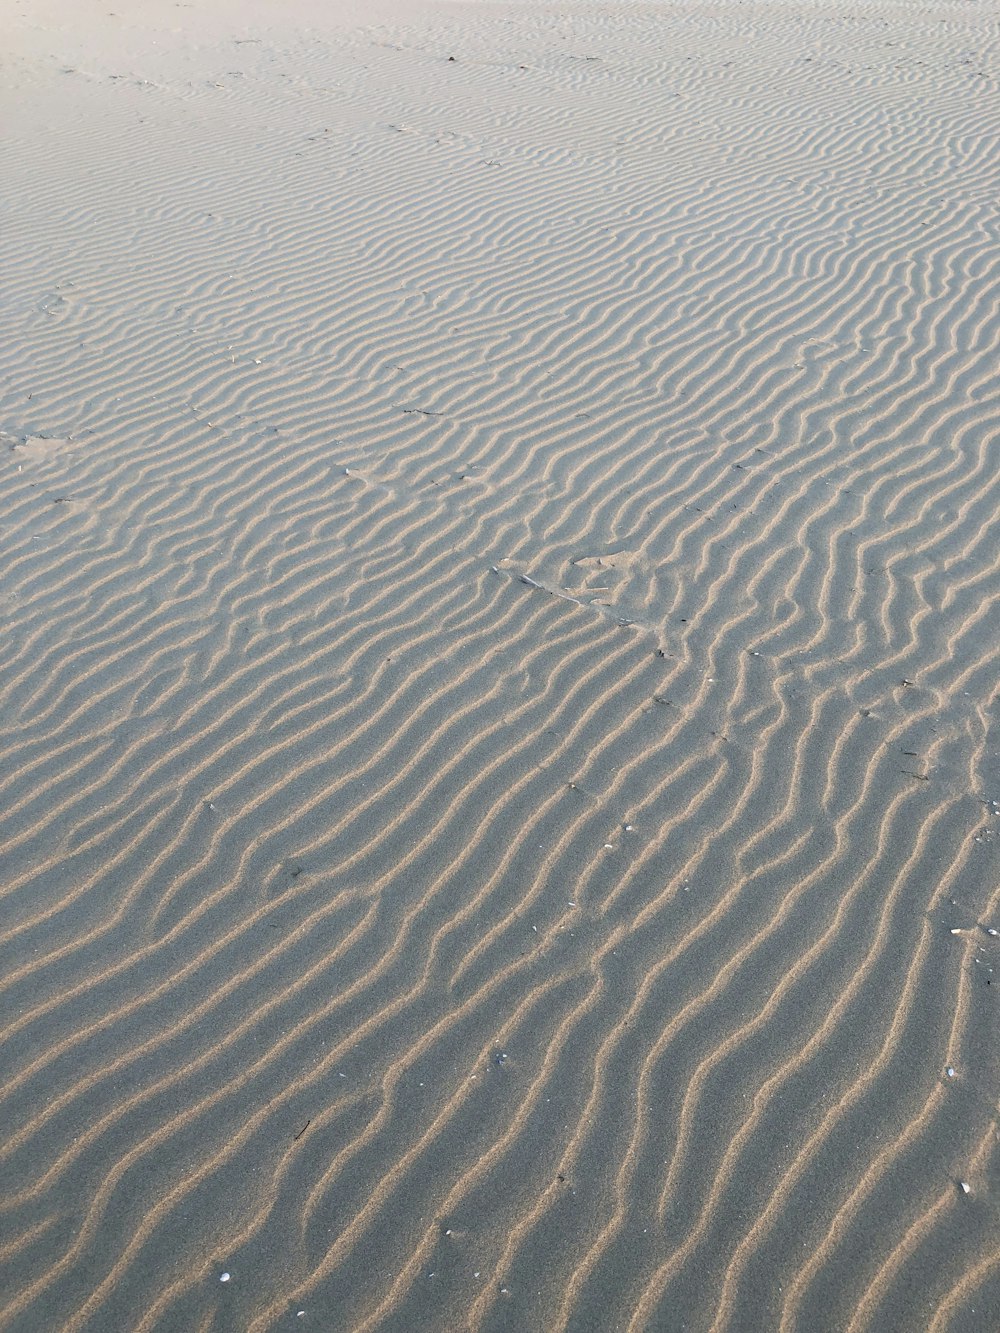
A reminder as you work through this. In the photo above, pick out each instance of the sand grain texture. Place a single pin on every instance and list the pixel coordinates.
(499, 748)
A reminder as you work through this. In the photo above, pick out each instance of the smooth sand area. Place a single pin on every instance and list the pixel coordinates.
(499, 639)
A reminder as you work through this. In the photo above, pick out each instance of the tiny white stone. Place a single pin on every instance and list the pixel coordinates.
(992, 930)
(964, 1186)
(950, 1072)
(223, 1277)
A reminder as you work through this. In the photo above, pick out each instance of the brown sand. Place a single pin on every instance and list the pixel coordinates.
(500, 592)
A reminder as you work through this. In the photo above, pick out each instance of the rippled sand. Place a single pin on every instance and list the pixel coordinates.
(500, 602)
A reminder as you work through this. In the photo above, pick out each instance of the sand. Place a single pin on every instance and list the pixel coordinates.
(500, 593)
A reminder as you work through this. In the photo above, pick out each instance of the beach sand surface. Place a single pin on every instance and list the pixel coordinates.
(499, 638)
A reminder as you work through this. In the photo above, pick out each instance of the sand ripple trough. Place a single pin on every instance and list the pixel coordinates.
(499, 737)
